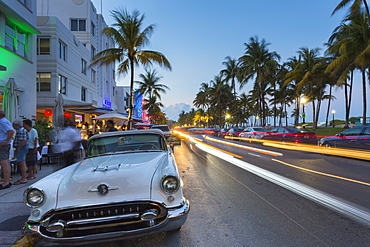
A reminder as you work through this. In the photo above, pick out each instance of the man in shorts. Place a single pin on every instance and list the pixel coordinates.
(6, 135)
(21, 148)
(31, 158)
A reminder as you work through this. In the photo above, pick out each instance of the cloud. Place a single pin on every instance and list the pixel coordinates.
(173, 111)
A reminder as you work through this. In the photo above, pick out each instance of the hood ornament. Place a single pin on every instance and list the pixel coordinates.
(103, 189)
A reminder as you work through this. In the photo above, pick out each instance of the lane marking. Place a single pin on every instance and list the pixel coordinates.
(218, 149)
(337, 204)
(322, 173)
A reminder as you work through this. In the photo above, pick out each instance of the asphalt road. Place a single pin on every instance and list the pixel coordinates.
(232, 206)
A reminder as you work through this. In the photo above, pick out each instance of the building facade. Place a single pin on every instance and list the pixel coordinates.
(18, 58)
(70, 37)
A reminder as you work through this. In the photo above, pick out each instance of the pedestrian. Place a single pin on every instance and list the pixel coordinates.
(110, 126)
(31, 157)
(6, 135)
(21, 148)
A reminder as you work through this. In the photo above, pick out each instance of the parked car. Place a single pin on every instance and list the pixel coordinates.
(234, 132)
(222, 132)
(165, 128)
(128, 186)
(289, 134)
(355, 138)
(172, 140)
(252, 133)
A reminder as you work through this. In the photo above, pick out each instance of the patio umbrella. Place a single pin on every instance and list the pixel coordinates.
(58, 113)
(115, 116)
(10, 104)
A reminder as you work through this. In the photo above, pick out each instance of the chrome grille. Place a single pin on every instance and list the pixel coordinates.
(119, 217)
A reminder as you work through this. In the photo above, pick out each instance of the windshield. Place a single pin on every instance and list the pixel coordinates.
(122, 143)
(163, 128)
(260, 129)
(301, 131)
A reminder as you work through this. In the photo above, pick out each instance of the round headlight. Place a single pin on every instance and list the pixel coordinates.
(34, 197)
(170, 184)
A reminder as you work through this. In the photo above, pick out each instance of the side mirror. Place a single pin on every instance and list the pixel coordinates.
(173, 140)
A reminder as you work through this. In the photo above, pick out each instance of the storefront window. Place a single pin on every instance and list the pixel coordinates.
(1, 101)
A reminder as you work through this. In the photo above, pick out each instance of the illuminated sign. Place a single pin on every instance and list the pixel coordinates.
(107, 103)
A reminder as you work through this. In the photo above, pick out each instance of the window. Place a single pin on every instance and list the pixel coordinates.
(10, 36)
(43, 82)
(21, 43)
(15, 39)
(93, 76)
(1, 100)
(92, 29)
(43, 46)
(93, 51)
(83, 94)
(114, 75)
(78, 25)
(83, 66)
(62, 51)
(62, 85)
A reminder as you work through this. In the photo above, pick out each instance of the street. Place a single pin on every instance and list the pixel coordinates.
(231, 206)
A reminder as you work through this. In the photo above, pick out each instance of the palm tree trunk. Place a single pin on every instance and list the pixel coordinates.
(346, 104)
(328, 109)
(296, 117)
(131, 95)
(350, 95)
(364, 97)
(317, 112)
(314, 114)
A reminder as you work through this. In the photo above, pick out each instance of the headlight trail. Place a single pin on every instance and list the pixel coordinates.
(244, 147)
(322, 173)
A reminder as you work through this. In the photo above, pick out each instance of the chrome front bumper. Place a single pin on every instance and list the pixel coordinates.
(175, 219)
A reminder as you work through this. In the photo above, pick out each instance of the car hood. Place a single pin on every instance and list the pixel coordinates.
(128, 177)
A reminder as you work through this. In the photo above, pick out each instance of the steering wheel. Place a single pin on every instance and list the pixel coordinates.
(148, 147)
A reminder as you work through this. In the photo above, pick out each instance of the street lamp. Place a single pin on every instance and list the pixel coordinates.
(227, 117)
(257, 118)
(303, 101)
(333, 112)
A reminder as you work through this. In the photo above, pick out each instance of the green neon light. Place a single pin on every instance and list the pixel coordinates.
(10, 60)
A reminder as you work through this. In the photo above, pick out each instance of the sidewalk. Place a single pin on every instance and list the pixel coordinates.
(13, 210)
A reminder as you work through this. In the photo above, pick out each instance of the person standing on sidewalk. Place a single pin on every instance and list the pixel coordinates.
(6, 135)
(21, 149)
(31, 158)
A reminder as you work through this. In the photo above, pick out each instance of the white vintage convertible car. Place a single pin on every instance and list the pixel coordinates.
(128, 186)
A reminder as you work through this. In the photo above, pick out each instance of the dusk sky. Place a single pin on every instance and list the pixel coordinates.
(197, 35)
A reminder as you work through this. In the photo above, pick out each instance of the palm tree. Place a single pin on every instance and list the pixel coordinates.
(310, 67)
(149, 84)
(221, 94)
(292, 77)
(202, 99)
(230, 73)
(355, 7)
(154, 108)
(351, 41)
(257, 62)
(130, 37)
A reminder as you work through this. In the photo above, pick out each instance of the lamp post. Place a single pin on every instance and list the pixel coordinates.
(333, 112)
(303, 101)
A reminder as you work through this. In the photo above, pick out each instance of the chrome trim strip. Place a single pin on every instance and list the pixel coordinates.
(109, 188)
(102, 219)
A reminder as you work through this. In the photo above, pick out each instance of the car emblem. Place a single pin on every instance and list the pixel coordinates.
(103, 189)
